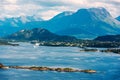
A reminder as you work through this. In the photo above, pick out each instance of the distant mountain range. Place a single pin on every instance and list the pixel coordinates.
(38, 34)
(11, 25)
(115, 38)
(85, 24)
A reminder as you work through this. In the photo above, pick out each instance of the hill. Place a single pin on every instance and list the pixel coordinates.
(112, 38)
(38, 34)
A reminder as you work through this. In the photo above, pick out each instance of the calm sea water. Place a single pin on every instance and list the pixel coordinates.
(106, 64)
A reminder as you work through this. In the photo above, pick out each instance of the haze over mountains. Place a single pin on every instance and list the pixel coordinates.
(85, 23)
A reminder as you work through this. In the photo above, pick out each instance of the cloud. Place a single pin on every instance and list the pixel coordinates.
(48, 8)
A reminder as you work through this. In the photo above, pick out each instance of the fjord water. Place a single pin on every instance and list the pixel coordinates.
(106, 64)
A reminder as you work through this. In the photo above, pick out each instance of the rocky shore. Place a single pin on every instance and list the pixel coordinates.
(78, 43)
(4, 42)
(113, 50)
(89, 50)
(47, 69)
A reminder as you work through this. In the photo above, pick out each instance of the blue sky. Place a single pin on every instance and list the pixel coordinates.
(48, 8)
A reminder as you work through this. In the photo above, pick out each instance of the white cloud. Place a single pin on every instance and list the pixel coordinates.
(49, 8)
(48, 14)
(11, 1)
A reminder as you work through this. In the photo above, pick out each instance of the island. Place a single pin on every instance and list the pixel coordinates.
(36, 68)
(89, 50)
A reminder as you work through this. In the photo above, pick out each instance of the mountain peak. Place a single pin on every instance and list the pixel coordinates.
(25, 19)
(40, 30)
(99, 11)
(22, 19)
(94, 13)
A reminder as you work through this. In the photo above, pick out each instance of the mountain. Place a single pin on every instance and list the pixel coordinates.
(11, 25)
(66, 13)
(38, 34)
(118, 18)
(85, 23)
(112, 38)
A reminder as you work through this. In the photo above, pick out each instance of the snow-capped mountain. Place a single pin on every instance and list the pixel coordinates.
(11, 25)
(84, 23)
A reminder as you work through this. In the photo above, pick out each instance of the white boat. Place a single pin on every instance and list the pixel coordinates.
(36, 45)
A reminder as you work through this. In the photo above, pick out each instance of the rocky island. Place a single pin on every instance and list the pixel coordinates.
(47, 69)
(89, 50)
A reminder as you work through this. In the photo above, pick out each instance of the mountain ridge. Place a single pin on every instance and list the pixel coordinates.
(86, 20)
(84, 23)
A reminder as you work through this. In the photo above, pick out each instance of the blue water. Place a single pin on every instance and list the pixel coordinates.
(106, 64)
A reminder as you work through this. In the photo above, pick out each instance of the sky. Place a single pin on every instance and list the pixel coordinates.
(46, 9)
